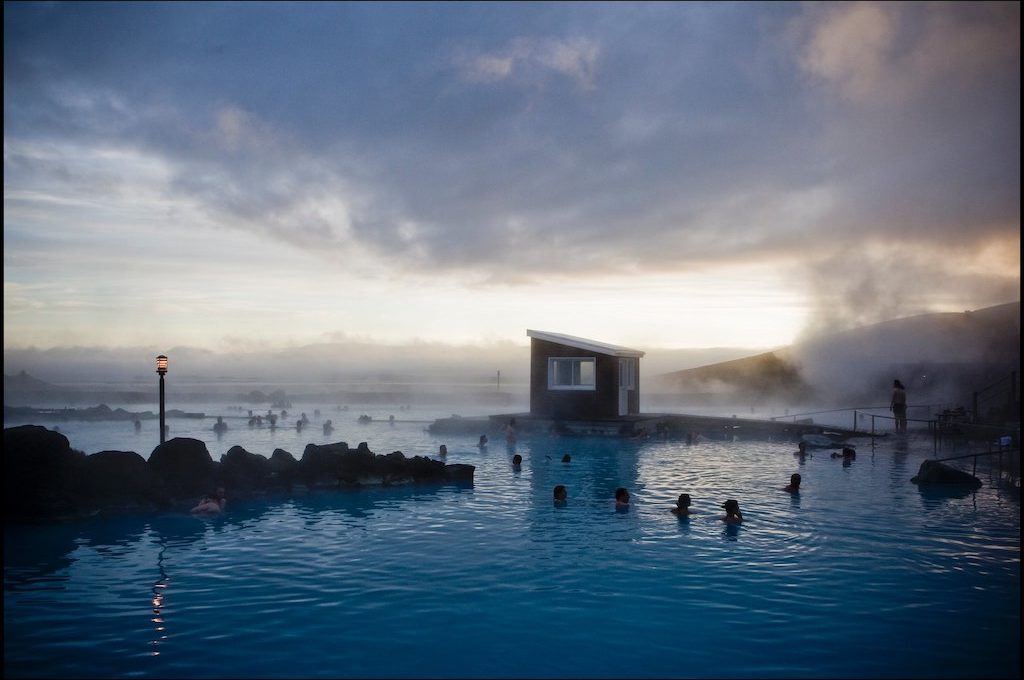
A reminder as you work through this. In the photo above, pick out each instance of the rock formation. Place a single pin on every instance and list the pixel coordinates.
(44, 478)
(932, 472)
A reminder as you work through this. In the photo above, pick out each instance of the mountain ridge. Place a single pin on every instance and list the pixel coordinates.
(941, 356)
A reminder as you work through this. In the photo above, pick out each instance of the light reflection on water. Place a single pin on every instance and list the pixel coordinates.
(858, 575)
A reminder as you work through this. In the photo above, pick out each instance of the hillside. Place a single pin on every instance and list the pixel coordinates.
(942, 358)
(24, 384)
(754, 378)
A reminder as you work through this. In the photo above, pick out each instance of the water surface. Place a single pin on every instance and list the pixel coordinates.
(860, 575)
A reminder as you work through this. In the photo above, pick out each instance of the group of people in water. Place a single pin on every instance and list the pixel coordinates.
(215, 503)
(682, 508)
(271, 419)
(683, 503)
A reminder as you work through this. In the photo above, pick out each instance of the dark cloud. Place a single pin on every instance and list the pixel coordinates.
(519, 138)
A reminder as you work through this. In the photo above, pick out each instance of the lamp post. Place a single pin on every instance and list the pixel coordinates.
(161, 369)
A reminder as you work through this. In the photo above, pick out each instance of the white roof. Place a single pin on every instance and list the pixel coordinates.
(583, 343)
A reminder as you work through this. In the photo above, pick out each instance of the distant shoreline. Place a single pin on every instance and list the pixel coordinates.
(101, 412)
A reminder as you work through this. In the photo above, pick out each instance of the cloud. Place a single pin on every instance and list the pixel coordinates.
(524, 145)
(896, 51)
(532, 59)
(851, 47)
(859, 286)
(237, 129)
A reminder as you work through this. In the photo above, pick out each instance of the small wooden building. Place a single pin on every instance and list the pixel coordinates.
(577, 379)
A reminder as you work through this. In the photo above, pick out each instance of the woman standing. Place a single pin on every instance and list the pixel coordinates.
(898, 405)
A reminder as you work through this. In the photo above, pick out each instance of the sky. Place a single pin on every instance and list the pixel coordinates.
(248, 177)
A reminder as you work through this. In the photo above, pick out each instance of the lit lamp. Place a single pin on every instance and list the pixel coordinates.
(161, 369)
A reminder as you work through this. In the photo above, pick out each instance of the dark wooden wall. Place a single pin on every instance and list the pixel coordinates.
(602, 402)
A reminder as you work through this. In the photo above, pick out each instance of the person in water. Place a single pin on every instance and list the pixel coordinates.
(482, 444)
(794, 484)
(510, 432)
(443, 451)
(517, 462)
(732, 512)
(801, 449)
(621, 497)
(211, 504)
(566, 458)
(560, 495)
(682, 508)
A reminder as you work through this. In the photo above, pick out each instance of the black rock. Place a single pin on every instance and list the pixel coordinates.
(934, 472)
(182, 467)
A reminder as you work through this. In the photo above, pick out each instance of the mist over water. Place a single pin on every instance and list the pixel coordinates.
(412, 416)
(945, 360)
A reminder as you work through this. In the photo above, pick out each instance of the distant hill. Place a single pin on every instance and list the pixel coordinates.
(754, 379)
(941, 358)
(24, 389)
(23, 383)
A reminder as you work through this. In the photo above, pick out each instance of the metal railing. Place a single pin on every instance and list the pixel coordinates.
(859, 411)
(937, 429)
(1007, 396)
(997, 452)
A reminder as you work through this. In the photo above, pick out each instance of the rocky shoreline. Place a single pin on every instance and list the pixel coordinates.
(45, 479)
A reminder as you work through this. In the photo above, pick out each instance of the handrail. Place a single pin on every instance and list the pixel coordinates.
(996, 384)
(852, 408)
(974, 469)
(1012, 395)
(833, 410)
(979, 453)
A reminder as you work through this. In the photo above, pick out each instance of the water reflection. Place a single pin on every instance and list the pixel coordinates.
(935, 494)
(180, 529)
(35, 555)
(113, 536)
(595, 468)
(418, 562)
(159, 593)
(359, 504)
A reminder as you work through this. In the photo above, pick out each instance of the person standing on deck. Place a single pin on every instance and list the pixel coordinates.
(898, 405)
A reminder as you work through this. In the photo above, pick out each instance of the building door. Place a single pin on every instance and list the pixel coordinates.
(627, 383)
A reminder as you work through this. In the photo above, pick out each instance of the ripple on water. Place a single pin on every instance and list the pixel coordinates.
(391, 582)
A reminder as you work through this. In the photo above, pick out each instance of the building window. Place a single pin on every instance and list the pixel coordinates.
(566, 373)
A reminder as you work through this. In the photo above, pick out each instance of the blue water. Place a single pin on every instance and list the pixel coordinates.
(860, 575)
